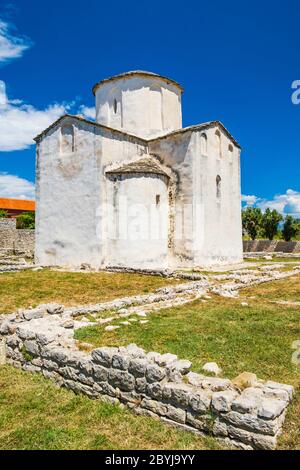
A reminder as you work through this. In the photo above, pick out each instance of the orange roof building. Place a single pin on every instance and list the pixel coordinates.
(15, 207)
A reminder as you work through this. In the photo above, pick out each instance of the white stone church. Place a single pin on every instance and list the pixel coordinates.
(135, 189)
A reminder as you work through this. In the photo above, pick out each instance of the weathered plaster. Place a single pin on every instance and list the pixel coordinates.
(79, 192)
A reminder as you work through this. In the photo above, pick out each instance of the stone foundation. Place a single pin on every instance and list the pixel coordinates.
(159, 385)
(271, 246)
(13, 240)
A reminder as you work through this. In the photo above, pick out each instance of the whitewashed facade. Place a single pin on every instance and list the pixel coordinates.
(135, 189)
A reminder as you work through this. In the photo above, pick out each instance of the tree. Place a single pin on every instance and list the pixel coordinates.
(269, 223)
(3, 214)
(290, 228)
(26, 220)
(251, 219)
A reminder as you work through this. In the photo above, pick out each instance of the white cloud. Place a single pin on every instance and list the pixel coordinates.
(15, 187)
(249, 200)
(11, 46)
(88, 113)
(20, 122)
(287, 203)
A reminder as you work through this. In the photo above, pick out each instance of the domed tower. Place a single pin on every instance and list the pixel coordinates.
(140, 103)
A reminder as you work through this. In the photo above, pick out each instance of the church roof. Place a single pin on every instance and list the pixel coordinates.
(198, 127)
(143, 141)
(143, 165)
(136, 72)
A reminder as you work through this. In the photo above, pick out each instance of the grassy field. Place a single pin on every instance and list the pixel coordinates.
(30, 288)
(34, 414)
(285, 289)
(256, 338)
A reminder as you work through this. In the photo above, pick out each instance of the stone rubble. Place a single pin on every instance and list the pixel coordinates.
(246, 413)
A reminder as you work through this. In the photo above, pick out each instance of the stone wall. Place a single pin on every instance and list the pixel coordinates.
(12, 239)
(271, 246)
(246, 413)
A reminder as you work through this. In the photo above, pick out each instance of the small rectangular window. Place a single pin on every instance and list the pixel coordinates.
(157, 199)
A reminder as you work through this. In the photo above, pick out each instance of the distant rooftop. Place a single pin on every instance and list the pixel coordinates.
(17, 204)
(136, 72)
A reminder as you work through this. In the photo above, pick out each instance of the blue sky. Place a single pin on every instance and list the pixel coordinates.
(236, 61)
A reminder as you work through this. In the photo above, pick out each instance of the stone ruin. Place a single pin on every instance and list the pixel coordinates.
(245, 413)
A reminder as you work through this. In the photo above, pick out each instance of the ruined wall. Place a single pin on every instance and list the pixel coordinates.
(7, 233)
(19, 240)
(271, 246)
(159, 385)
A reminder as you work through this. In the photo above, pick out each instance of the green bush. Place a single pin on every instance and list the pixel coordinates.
(26, 220)
(3, 214)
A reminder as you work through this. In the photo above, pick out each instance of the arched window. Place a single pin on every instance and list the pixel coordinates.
(203, 144)
(230, 150)
(218, 186)
(67, 144)
(218, 143)
(115, 106)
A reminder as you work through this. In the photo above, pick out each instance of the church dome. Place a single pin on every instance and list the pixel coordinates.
(138, 102)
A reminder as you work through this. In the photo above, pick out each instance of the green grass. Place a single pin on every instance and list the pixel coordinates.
(275, 259)
(256, 338)
(35, 414)
(283, 289)
(30, 288)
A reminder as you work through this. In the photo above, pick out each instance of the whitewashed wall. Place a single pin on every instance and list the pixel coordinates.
(142, 106)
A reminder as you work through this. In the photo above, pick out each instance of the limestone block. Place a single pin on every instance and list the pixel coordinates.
(135, 351)
(100, 373)
(200, 401)
(181, 366)
(278, 386)
(155, 373)
(50, 365)
(155, 390)
(13, 341)
(252, 423)
(120, 361)
(138, 367)
(195, 379)
(202, 422)
(215, 384)
(221, 401)
(54, 308)
(264, 442)
(220, 428)
(247, 403)
(271, 408)
(178, 394)
(212, 367)
(103, 356)
(121, 379)
(31, 347)
(141, 385)
(154, 406)
(33, 313)
(108, 389)
(176, 414)
(166, 359)
(24, 332)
